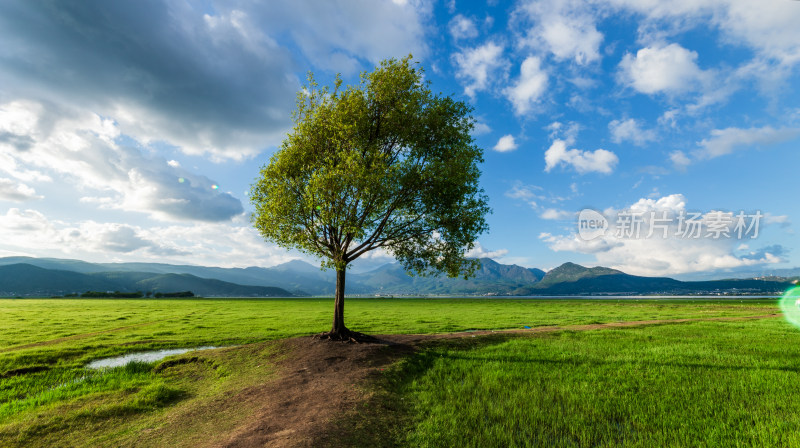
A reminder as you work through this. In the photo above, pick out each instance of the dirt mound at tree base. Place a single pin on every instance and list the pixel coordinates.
(318, 381)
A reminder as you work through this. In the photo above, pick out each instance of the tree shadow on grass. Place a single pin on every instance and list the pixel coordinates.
(382, 420)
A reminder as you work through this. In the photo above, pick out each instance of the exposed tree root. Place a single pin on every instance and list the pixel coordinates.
(346, 335)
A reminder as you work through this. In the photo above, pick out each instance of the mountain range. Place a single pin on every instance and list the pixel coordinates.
(30, 277)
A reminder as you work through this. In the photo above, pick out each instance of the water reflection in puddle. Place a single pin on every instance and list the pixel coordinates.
(151, 356)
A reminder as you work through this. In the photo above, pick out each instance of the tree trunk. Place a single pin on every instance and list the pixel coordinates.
(339, 332)
(338, 328)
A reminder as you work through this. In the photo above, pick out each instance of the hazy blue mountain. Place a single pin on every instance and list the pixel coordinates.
(743, 273)
(492, 278)
(54, 263)
(297, 277)
(28, 280)
(205, 287)
(54, 277)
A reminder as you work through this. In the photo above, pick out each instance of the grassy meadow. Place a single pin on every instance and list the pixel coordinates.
(699, 384)
(718, 383)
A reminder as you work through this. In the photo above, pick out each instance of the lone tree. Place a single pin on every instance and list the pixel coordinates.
(384, 164)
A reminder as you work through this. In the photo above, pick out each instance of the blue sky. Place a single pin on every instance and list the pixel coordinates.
(131, 131)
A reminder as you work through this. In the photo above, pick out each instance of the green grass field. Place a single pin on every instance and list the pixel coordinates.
(699, 384)
(723, 383)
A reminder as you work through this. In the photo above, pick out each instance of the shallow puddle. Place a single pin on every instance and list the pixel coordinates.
(151, 356)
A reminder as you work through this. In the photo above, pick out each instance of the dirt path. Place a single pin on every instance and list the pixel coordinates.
(320, 379)
(631, 323)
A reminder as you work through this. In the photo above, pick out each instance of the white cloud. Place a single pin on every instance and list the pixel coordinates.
(481, 128)
(235, 83)
(475, 66)
(666, 69)
(15, 191)
(82, 149)
(769, 28)
(630, 130)
(529, 87)
(338, 34)
(531, 194)
(600, 160)
(556, 215)
(568, 132)
(726, 141)
(213, 81)
(565, 28)
(769, 218)
(669, 118)
(679, 159)
(505, 144)
(535, 196)
(572, 243)
(462, 28)
(478, 251)
(656, 255)
(30, 232)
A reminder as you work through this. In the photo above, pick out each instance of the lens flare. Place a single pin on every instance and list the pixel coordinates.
(181, 180)
(215, 187)
(790, 305)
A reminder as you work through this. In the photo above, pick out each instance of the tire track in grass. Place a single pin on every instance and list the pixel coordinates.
(586, 327)
(76, 336)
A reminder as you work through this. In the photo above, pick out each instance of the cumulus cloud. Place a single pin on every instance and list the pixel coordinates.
(31, 229)
(556, 215)
(565, 28)
(529, 87)
(85, 150)
(666, 69)
(630, 130)
(679, 159)
(505, 144)
(600, 160)
(531, 194)
(11, 190)
(218, 81)
(770, 29)
(783, 220)
(567, 132)
(662, 247)
(462, 28)
(342, 35)
(726, 141)
(158, 68)
(478, 251)
(475, 66)
(481, 128)
(233, 244)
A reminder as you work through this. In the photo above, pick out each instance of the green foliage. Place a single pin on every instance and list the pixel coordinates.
(570, 272)
(115, 295)
(384, 164)
(168, 295)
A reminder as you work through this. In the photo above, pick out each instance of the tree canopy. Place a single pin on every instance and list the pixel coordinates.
(385, 164)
